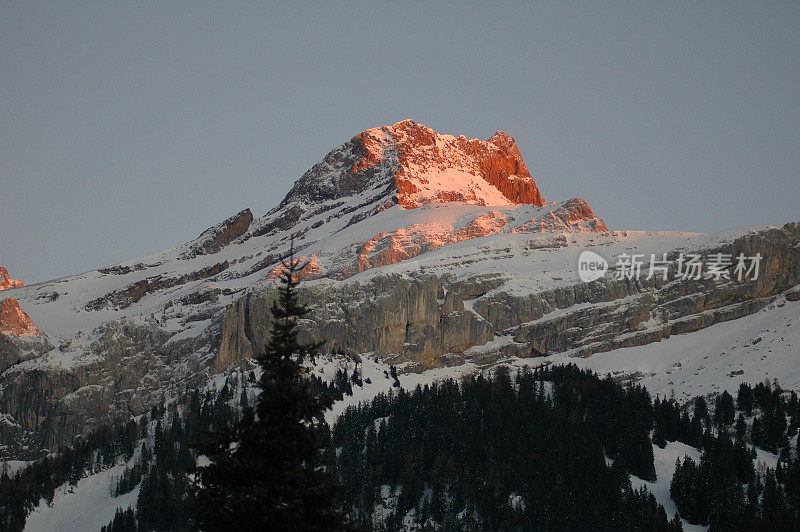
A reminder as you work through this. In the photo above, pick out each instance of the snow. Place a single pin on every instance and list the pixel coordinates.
(435, 171)
(765, 459)
(13, 466)
(86, 506)
(699, 363)
(438, 183)
(664, 461)
(516, 501)
(378, 373)
(714, 359)
(387, 505)
(58, 307)
(89, 505)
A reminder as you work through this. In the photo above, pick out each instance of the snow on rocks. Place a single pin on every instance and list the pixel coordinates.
(6, 282)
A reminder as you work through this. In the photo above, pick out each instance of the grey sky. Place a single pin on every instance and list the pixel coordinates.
(127, 128)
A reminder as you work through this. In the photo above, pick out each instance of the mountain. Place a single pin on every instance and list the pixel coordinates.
(410, 165)
(430, 252)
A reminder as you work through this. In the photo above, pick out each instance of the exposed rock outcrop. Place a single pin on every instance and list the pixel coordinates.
(132, 293)
(420, 319)
(308, 267)
(433, 320)
(390, 247)
(405, 243)
(222, 234)
(409, 319)
(411, 165)
(14, 321)
(572, 216)
(20, 338)
(134, 335)
(7, 282)
(124, 372)
(434, 168)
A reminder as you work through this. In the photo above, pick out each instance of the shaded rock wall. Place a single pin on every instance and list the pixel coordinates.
(431, 321)
(427, 321)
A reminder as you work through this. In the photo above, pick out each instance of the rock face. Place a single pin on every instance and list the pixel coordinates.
(125, 297)
(572, 216)
(415, 166)
(14, 321)
(7, 282)
(405, 243)
(411, 167)
(20, 338)
(431, 321)
(424, 320)
(308, 269)
(414, 320)
(440, 168)
(217, 237)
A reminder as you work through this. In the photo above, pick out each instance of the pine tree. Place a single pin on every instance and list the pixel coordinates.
(265, 471)
(724, 410)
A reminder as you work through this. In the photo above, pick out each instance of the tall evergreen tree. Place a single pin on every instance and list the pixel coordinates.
(265, 471)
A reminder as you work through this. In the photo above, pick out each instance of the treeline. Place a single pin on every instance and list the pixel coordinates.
(163, 502)
(343, 381)
(767, 416)
(19, 494)
(157, 449)
(724, 490)
(550, 449)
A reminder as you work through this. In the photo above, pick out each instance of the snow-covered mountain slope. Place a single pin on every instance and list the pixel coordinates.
(88, 505)
(764, 345)
(384, 197)
(425, 250)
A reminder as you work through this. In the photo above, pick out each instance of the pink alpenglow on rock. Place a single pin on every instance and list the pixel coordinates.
(14, 321)
(7, 282)
(309, 269)
(572, 216)
(429, 167)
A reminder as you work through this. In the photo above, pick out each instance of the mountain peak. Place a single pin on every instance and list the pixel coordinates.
(7, 282)
(410, 164)
(433, 167)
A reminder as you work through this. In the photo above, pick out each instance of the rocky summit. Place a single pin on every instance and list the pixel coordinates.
(425, 251)
(412, 165)
(7, 282)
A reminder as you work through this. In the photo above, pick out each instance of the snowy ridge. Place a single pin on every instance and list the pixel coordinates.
(59, 307)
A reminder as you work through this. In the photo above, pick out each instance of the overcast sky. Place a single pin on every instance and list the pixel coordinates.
(127, 128)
